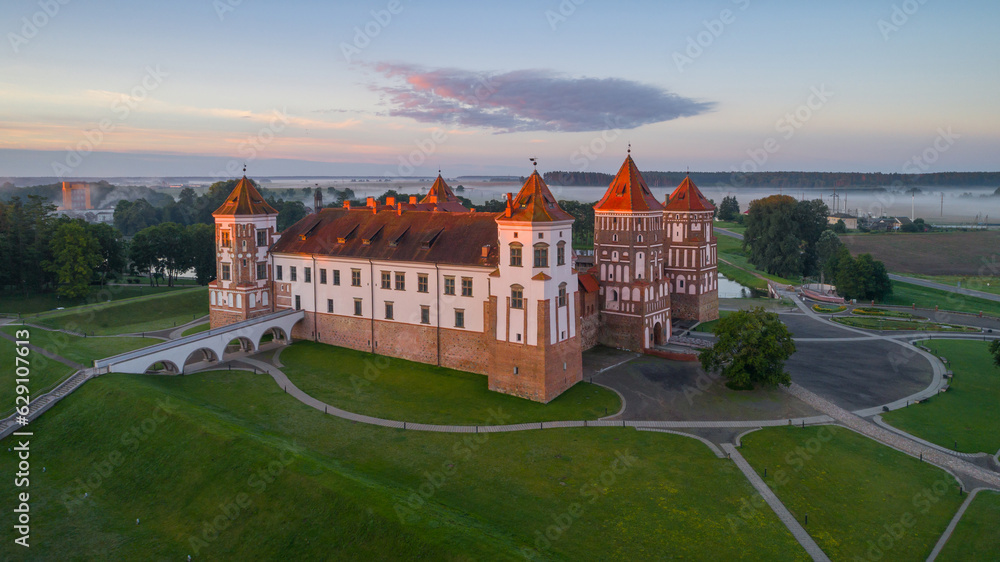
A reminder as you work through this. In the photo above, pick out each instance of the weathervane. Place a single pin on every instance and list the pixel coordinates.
(244, 168)
(534, 161)
(630, 148)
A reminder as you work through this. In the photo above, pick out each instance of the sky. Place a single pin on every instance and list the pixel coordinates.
(399, 88)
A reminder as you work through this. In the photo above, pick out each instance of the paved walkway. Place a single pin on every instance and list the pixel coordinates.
(951, 526)
(779, 508)
(944, 287)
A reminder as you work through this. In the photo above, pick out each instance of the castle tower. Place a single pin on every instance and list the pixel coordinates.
(533, 298)
(628, 255)
(692, 259)
(245, 227)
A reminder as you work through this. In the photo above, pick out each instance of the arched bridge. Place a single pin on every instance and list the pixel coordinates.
(208, 346)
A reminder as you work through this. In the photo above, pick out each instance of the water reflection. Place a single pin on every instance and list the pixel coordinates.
(732, 290)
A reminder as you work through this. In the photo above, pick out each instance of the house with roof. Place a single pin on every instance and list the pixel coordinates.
(497, 294)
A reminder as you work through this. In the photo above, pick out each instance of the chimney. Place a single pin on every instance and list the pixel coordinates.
(371, 201)
(507, 212)
(390, 201)
(317, 201)
(486, 251)
(347, 204)
(399, 209)
(413, 200)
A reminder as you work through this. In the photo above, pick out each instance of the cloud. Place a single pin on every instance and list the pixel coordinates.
(528, 100)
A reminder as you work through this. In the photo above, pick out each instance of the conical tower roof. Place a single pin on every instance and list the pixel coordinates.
(628, 192)
(534, 203)
(244, 200)
(687, 197)
(439, 193)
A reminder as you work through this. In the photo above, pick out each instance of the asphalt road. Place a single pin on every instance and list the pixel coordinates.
(943, 287)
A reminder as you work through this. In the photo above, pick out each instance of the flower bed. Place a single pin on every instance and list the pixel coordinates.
(828, 309)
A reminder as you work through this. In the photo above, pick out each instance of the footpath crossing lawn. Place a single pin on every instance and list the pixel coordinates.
(17, 302)
(44, 374)
(856, 492)
(391, 388)
(978, 532)
(967, 412)
(196, 329)
(224, 465)
(146, 314)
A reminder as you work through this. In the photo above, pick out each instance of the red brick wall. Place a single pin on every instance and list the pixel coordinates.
(587, 325)
(701, 308)
(621, 332)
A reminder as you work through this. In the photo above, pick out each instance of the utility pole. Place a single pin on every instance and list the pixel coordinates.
(913, 199)
(942, 203)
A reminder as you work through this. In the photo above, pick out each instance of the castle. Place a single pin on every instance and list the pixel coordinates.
(495, 294)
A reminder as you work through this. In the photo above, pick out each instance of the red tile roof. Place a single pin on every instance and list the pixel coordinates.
(244, 200)
(628, 192)
(687, 197)
(534, 203)
(588, 283)
(415, 236)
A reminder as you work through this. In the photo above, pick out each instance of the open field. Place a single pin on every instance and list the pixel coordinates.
(731, 226)
(906, 294)
(932, 253)
(224, 465)
(14, 303)
(986, 284)
(854, 491)
(976, 534)
(396, 389)
(967, 412)
(147, 314)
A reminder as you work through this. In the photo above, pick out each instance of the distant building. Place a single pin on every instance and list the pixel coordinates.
(888, 224)
(75, 196)
(851, 222)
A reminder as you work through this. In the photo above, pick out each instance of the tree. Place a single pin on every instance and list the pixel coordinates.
(781, 234)
(75, 255)
(142, 254)
(840, 227)
(995, 351)
(289, 213)
(200, 245)
(751, 350)
(112, 249)
(729, 209)
(864, 278)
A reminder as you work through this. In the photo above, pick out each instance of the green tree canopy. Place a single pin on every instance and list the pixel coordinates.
(729, 209)
(995, 351)
(781, 234)
(751, 350)
(75, 256)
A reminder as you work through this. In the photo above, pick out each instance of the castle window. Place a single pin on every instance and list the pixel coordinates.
(614, 237)
(308, 274)
(421, 282)
(336, 277)
(357, 307)
(355, 277)
(425, 315)
(298, 302)
(244, 263)
(561, 254)
(225, 272)
(386, 280)
(638, 237)
(466, 286)
(261, 238)
(515, 255)
(244, 245)
(562, 295)
(541, 235)
(224, 239)
(261, 271)
(517, 297)
(329, 305)
(292, 274)
(277, 272)
(322, 277)
(614, 295)
(388, 310)
(449, 285)
(459, 318)
(541, 255)
(400, 281)
(680, 283)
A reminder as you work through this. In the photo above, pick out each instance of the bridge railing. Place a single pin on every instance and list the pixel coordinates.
(103, 364)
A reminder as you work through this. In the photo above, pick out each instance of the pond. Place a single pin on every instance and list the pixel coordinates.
(729, 289)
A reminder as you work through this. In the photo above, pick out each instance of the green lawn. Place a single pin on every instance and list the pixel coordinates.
(742, 276)
(196, 329)
(731, 226)
(707, 327)
(44, 374)
(896, 324)
(985, 284)
(12, 302)
(854, 491)
(906, 294)
(731, 250)
(234, 469)
(967, 412)
(976, 533)
(402, 390)
(146, 314)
